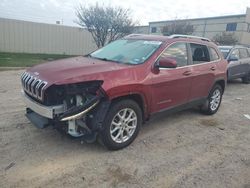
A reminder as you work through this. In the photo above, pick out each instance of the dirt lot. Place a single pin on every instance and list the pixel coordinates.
(186, 149)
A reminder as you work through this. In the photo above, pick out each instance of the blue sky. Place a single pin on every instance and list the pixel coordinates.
(49, 11)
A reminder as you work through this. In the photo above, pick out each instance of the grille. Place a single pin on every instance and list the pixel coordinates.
(33, 86)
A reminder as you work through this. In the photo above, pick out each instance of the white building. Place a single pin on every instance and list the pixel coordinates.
(210, 26)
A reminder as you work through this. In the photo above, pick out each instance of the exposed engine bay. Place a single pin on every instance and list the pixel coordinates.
(80, 109)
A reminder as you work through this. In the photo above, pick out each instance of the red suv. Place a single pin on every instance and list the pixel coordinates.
(109, 93)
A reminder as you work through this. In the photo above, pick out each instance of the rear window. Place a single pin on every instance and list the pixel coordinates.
(200, 53)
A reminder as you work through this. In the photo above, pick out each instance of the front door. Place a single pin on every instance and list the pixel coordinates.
(170, 87)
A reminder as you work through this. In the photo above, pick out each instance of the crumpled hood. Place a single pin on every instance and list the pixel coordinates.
(82, 69)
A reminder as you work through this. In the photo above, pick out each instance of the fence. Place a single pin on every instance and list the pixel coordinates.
(29, 37)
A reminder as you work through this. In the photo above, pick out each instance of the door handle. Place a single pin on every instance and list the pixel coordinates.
(213, 68)
(187, 73)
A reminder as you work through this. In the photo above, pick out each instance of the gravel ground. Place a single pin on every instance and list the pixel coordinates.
(185, 149)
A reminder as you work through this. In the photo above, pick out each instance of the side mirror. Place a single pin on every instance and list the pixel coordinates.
(233, 58)
(165, 62)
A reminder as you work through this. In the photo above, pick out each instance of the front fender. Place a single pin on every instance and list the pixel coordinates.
(132, 90)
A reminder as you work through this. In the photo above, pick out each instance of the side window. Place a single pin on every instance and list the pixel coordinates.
(235, 54)
(200, 53)
(243, 53)
(214, 55)
(177, 51)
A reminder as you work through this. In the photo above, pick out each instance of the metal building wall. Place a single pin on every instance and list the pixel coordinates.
(209, 27)
(30, 37)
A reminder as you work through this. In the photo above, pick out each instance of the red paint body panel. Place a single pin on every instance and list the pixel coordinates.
(171, 88)
(159, 89)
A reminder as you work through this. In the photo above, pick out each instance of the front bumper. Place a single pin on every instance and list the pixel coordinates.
(45, 111)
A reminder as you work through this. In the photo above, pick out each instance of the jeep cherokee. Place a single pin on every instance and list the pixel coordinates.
(109, 93)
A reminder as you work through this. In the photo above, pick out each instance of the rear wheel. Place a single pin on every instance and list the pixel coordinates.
(121, 125)
(213, 102)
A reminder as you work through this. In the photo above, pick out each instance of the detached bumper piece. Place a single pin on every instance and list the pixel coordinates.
(79, 111)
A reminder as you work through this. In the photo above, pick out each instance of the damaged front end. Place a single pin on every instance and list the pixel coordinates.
(77, 109)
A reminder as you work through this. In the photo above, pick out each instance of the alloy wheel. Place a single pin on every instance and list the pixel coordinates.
(215, 99)
(123, 125)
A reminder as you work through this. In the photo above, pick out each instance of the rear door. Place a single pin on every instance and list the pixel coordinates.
(171, 86)
(203, 70)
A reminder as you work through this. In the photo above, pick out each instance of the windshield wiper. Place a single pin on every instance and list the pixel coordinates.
(86, 55)
(104, 59)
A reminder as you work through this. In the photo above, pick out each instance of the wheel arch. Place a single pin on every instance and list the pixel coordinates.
(222, 83)
(138, 98)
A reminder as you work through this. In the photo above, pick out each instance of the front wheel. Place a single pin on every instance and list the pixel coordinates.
(213, 102)
(121, 125)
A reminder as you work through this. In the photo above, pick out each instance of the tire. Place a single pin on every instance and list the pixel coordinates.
(246, 79)
(121, 125)
(213, 101)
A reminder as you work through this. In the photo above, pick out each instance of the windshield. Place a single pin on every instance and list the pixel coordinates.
(225, 51)
(127, 51)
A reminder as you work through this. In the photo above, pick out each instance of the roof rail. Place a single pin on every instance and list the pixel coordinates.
(189, 36)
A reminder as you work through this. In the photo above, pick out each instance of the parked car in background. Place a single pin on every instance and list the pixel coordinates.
(238, 58)
(112, 91)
